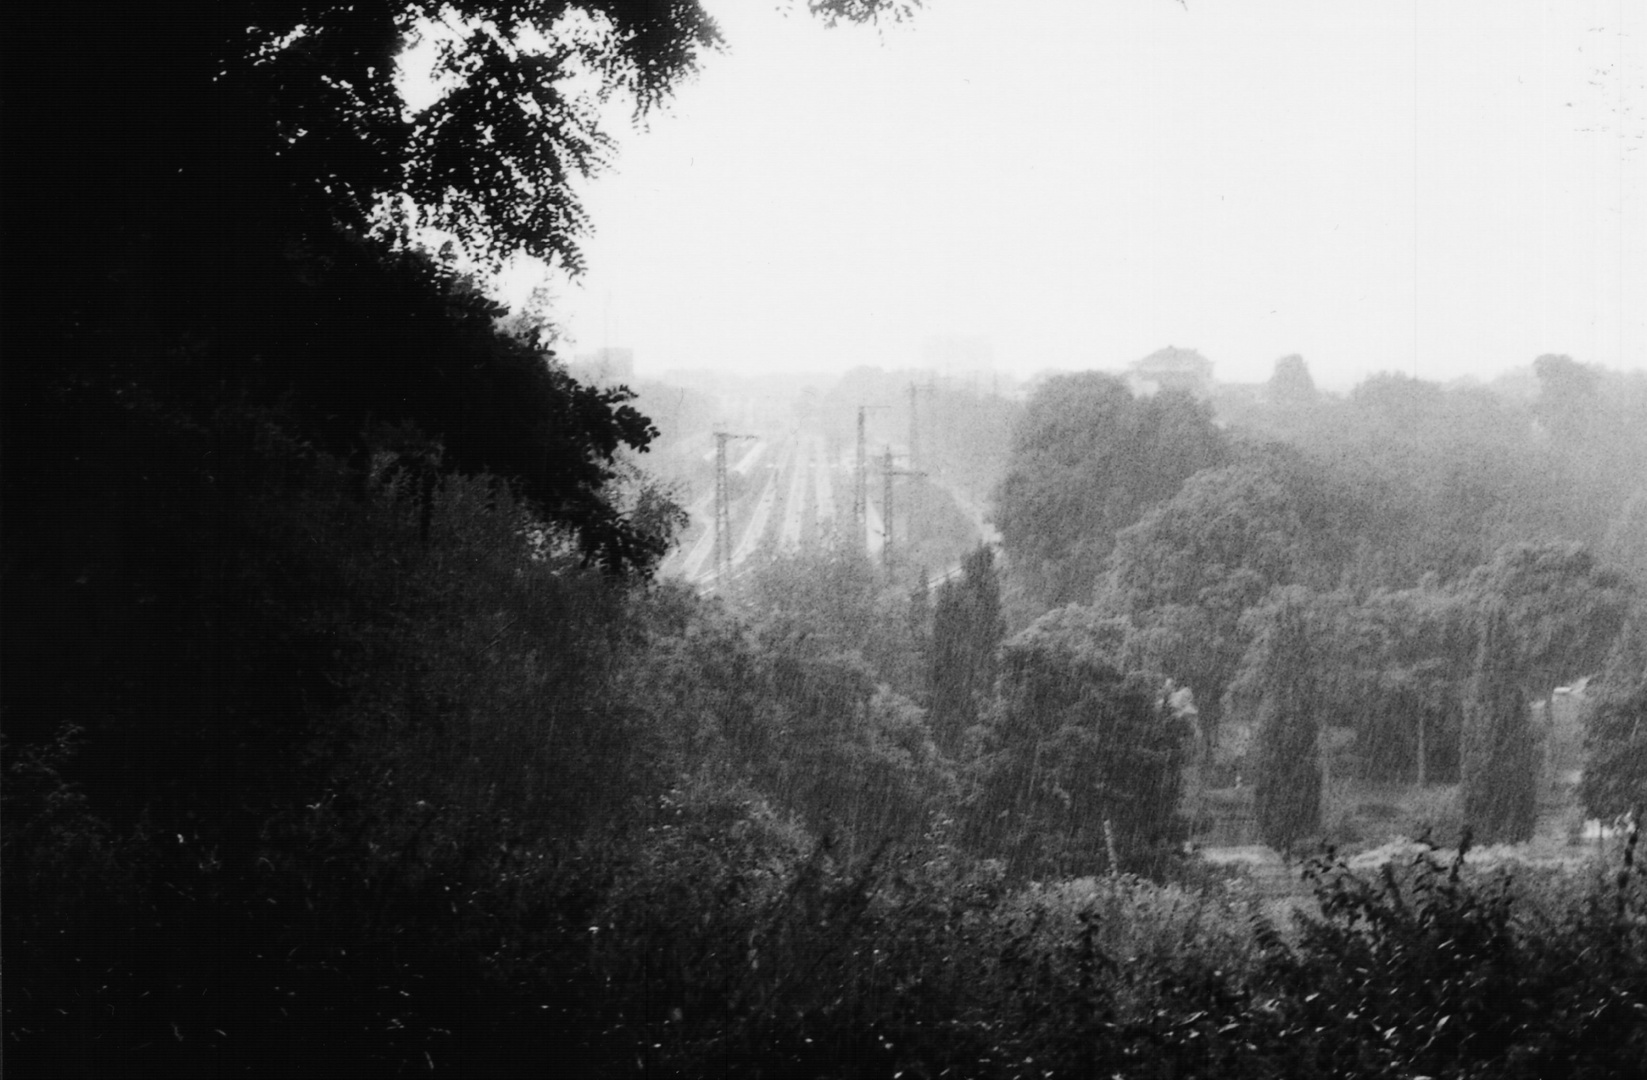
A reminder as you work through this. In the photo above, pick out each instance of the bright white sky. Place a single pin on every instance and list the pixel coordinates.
(1436, 188)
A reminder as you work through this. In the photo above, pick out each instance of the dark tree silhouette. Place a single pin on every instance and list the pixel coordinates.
(966, 630)
(1287, 799)
(1499, 785)
(212, 213)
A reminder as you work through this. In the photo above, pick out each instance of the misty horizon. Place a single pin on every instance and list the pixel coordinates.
(1439, 193)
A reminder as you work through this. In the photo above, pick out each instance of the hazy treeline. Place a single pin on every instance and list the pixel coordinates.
(1389, 525)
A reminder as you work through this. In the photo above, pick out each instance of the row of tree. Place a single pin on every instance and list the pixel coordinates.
(1340, 581)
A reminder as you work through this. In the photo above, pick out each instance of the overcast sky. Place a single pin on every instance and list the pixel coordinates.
(1438, 188)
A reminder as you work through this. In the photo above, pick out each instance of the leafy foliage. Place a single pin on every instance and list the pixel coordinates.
(320, 126)
(832, 597)
(1563, 609)
(1186, 574)
(1415, 678)
(1083, 762)
(928, 967)
(1088, 459)
(1445, 476)
(792, 706)
(1391, 666)
(1427, 972)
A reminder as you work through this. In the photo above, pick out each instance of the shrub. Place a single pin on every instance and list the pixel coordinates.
(1427, 970)
(59, 856)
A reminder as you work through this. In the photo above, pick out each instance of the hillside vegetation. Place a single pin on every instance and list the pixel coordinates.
(350, 730)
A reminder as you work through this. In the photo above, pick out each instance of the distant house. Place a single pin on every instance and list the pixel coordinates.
(1171, 368)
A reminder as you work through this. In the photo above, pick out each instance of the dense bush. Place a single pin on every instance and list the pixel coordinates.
(1423, 969)
(269, 703)
(722, 939)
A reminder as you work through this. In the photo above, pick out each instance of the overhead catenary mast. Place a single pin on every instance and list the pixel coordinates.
(887, 473)
(723, 509)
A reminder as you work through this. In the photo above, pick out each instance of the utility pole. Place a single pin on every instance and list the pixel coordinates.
(887, 473)
(723, 509)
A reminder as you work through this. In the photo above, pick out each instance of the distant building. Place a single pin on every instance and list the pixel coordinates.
(1171, 369)
(605, 367)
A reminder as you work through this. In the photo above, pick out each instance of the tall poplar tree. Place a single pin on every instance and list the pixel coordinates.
(1499, 764)
(1615, 735)
(1287, 801)
(966, 630)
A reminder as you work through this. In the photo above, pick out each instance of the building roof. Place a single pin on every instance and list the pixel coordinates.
(1173, 360)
